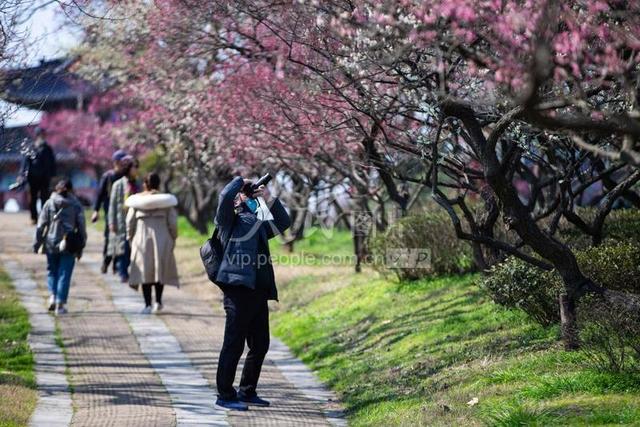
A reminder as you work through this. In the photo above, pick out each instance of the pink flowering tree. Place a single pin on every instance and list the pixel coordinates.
(215, 106)
(492, 96)
(507, 110)
(92, 134)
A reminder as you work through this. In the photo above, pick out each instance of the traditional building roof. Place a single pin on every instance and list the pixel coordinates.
(46, 87)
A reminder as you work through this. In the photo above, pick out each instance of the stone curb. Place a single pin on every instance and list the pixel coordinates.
(305, 380)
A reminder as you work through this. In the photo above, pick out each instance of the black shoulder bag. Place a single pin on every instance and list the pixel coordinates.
(73, 240)
(211, 253)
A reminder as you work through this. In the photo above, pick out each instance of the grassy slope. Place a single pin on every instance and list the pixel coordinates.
(17, 379)
(407, 354)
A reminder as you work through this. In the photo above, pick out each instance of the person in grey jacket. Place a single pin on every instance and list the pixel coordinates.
(119, 247)
(61, 215)
(247, 280)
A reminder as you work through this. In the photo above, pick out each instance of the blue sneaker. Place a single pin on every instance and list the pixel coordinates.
(253, 400)
(232, 405)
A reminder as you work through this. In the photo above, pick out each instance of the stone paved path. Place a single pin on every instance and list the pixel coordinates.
(113, 383)
(54, 396)
(131, 370)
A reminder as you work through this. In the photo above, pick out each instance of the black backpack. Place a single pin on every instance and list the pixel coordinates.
(211, 253)
(73, 240)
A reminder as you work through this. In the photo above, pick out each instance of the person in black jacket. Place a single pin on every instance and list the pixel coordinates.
(38, 167)
(102, 202)
(247, 280)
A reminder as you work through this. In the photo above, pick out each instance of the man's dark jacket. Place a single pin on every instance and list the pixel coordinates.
(240, 233)
(40, 164)
(104, 190)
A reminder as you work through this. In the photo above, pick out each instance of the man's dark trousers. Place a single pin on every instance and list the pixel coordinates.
(247, 319)
(105, 248)
(38, 187)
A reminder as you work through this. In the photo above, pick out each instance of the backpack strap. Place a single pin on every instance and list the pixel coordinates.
(216, 236)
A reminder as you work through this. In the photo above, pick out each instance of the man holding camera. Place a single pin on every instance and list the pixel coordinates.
(247, 280)
(37, 169)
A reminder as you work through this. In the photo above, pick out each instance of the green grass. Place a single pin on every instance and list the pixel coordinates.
(417, 353)
(17, 379)
(318, 247)
(187, 231)
(321, 241)
(100, 224)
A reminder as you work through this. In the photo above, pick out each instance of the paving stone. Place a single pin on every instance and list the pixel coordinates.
(190, 394)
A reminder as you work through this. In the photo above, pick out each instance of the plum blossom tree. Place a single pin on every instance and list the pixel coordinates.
(487, 93)
(93, 134)
(515, 83)
(520, 106)
(212, 100)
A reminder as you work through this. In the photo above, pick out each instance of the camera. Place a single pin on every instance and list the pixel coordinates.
(249, 188)
(18, 185)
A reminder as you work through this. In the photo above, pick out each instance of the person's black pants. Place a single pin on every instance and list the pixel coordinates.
(247, 320)
(106, 259)
(38, 188)
(146, 293)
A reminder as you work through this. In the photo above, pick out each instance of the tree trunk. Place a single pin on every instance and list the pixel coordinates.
(200, 221)
(198, 210)
(296, 232)
(359, 249)
(568, 322)
(517, 218)
(478, 257)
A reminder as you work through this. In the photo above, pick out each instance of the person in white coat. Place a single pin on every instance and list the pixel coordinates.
(152, 229)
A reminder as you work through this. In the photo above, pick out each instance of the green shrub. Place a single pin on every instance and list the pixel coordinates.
(517, 284)
(620, 225)
(432, 232)
(613, 265)
(623, 224)
(610, 336)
